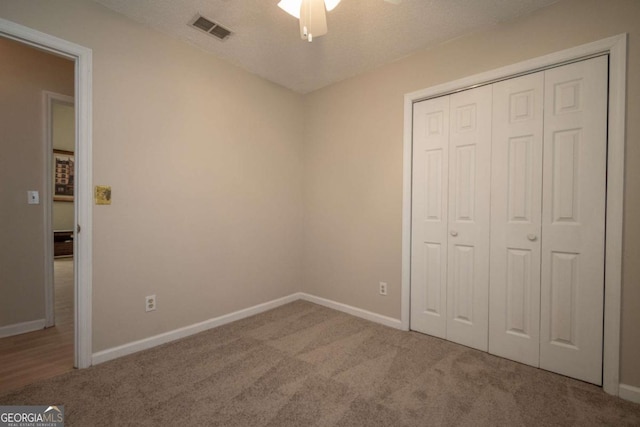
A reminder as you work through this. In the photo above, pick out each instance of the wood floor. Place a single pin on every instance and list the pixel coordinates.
(42, 354)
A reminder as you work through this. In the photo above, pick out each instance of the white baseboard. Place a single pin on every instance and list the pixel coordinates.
(354, 311)
(133, 347)
(629, 392)
(21, 328)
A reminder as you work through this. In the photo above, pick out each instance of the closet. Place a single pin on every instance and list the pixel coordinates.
(508, 217)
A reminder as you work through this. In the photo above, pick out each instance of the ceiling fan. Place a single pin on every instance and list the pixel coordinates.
(312, 15)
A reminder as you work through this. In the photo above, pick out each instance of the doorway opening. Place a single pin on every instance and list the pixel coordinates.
(32, 207)
(38, 322)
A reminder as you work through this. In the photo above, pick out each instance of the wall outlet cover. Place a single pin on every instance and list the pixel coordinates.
(150, 303)
(383, 288)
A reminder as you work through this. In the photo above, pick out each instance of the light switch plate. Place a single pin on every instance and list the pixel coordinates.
(103, 194)
(33, 197)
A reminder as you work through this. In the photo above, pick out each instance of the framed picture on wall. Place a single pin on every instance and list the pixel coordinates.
(63, 175)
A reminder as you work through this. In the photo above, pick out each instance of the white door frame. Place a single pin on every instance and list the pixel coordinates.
(616, 47)
(48, 99)
(82, 57)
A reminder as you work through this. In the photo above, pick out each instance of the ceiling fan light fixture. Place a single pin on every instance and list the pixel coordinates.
(331, 4)
(313, 19)
(292, 7)
(311, 13)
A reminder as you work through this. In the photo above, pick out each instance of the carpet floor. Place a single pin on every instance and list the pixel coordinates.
(306, 365)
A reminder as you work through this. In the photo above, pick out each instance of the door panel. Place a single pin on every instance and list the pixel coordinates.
(462, 283)
(516, 198)
(573, 219)
(468, 240)
(429, 216)
(433, 278)
(566, 149)
(563, 286)
(518, 302)
(465, 169)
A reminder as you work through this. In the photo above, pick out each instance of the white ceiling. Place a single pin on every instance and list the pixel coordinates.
(363, 34)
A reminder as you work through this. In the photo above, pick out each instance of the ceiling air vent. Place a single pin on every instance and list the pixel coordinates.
(210, 27)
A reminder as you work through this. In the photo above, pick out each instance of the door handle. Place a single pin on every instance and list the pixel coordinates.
(454, 233)
(532, 237)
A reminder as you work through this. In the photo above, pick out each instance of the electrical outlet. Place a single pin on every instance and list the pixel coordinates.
(383, 288)
(150, 303)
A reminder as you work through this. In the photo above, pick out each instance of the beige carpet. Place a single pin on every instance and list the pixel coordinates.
(303, 365)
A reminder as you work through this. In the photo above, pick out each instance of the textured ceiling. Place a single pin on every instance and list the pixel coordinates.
(363, 34)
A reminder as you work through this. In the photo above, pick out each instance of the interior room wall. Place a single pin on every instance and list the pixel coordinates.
(353, 156)
(63, 138)
(204, 162)
(24, 73)
(208, 170)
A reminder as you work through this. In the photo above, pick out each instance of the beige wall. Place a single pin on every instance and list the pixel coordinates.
(204, 161)
(353, 156)
(24, 73)
(63, 138)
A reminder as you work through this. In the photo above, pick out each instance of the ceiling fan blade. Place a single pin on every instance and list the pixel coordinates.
(313, 19)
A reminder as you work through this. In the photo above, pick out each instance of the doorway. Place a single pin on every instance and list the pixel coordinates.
(29, 351)
(81, 59)
(59, 118)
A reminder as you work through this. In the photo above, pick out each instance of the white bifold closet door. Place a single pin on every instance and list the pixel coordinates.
(469, 207)
(508, 216)
(573, 219)
(429, 229)
(516, 218)
(451, 204)
(547, 220)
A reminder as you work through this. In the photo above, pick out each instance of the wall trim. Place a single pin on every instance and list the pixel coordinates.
(21, 328)
(354, 311)
(83, 246)
(616, 47)
(156, 340)
(630, 393)
(147, 343)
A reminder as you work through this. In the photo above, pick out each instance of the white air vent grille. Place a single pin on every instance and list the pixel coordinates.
(210, 27)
